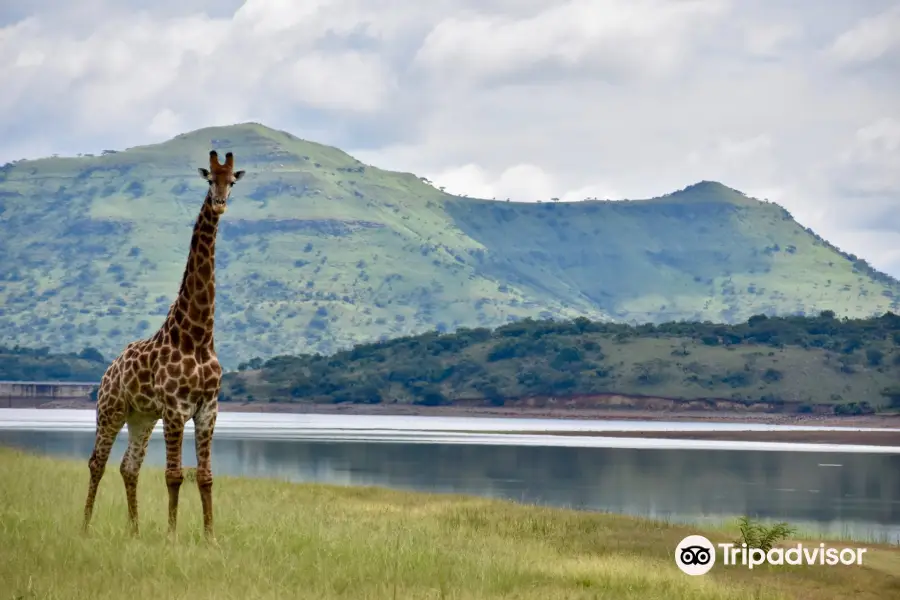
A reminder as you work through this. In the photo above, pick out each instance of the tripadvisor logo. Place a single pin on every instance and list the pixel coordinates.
(696, 555)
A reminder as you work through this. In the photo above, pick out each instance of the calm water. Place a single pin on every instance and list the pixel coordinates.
(448, 430)
(836, 492)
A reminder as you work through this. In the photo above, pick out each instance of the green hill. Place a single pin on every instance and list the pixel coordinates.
(793, 364)
(319, 251)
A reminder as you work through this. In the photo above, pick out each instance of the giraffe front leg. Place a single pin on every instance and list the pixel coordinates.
(105, 437)
(173, 428)
(204, 425)
(139, 430)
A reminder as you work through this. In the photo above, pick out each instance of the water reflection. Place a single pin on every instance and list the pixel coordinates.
(836, 493)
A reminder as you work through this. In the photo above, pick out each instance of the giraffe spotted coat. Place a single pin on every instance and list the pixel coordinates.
(174, 375)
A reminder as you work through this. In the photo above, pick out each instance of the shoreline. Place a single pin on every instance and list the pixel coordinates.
(839, 438)
(889, 421)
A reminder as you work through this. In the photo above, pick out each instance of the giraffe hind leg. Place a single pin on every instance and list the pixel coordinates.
(173, 429)
(140, 428)
(204, 426)
(108, 427)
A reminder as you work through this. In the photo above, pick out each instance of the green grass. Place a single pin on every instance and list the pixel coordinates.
(282, 540)
(319, 251)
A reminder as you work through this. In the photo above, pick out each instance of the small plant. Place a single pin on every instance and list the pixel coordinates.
(757, 535)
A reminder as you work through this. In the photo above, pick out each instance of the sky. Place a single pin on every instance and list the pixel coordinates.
(794, 101)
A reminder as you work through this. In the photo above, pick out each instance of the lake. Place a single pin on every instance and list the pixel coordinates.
(829, 489)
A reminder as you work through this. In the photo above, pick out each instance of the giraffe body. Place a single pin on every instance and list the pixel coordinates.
(173, 375)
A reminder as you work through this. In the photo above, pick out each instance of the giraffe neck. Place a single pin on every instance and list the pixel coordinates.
(191, 318)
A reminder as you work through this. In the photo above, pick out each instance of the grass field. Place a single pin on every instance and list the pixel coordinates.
(281, 540)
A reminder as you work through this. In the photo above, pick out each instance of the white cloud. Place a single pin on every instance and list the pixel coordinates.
(522, 182)
(871, 38)
(745, 149)
(351, 81)
(526, 99)
(620, 37)
(768, 39)
(877, 143)
(166, 124)
(128, 75)
(275, 16)
(869, 172)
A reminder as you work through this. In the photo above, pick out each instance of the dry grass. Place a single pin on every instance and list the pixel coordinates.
(282, 540)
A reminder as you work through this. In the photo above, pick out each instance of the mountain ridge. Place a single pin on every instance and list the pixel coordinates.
(320, 251)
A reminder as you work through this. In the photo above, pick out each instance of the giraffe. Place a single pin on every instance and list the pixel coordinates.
(173, 375)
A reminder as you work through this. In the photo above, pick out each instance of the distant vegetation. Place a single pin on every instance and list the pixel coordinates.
(38, 364)
(319, 252)
(802, 364)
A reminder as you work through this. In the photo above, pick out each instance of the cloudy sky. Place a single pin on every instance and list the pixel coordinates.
(797, 101)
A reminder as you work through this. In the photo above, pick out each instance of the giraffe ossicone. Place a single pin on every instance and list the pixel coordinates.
(174, 375)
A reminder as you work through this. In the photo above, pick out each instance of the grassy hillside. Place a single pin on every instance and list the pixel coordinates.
(801, 364)
(319, 251)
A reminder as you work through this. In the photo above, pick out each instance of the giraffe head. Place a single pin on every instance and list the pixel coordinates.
(220, 178)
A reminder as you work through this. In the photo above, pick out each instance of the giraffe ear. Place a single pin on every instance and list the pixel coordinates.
(204, 173)
(238, 175)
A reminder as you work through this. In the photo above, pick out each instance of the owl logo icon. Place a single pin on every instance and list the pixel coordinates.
(695, 555)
